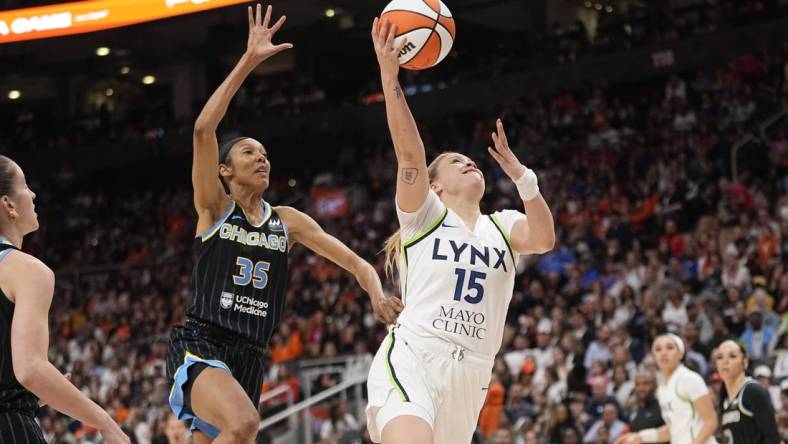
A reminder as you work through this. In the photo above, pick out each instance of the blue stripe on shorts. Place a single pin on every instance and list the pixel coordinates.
(183, 412)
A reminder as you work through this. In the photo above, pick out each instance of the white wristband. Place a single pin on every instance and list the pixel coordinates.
(649, 435)
(527, 185)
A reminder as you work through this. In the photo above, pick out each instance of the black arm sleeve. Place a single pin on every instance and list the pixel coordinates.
(756, 399)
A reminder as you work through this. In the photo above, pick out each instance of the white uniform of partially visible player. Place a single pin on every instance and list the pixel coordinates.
(429, 378)
(683, 397)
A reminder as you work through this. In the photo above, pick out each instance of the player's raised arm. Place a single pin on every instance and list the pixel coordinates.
(210, 200)
(412, 181)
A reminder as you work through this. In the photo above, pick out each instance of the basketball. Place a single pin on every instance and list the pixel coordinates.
(428, 27)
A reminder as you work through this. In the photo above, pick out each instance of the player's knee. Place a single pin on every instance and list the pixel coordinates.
(243, 426)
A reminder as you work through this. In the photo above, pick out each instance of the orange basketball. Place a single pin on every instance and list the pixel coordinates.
(429, 28)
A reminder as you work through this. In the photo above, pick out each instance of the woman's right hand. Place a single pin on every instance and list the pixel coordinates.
(383, 33)
(259, 46)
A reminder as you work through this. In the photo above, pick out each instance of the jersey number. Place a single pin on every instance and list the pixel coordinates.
(473, 286)
(256, 274)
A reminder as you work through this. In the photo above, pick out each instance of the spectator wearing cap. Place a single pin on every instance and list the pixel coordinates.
(610, 421)
(645, 412)
(763, 374)
(757, 337)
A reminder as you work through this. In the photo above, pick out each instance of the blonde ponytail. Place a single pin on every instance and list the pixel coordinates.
(391, 249)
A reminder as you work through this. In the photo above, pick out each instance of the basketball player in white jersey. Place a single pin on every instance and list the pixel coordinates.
(685, 400)
(429, 378)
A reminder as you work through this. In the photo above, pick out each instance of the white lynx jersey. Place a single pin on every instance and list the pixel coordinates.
(456, 283)
(676, 397)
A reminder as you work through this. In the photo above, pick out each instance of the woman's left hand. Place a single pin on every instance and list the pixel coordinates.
(503, 155)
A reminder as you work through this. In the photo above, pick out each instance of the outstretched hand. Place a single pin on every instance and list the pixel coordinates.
(259, 46)
(383, 33)
(504, 155)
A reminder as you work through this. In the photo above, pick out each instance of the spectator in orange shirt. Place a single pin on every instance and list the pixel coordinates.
(489, 418)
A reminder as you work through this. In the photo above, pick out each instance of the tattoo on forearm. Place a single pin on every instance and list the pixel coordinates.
(398, 91)
(409, 175)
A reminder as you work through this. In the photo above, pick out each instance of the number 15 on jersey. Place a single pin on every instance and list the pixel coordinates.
(475, 290)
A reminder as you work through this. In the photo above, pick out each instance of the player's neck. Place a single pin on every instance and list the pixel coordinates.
(468, 211)
(666, 374)
(13, 236)
(733, 387)
(250, 202)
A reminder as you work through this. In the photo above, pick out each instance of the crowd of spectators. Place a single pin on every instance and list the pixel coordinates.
(142, 117)
(653, 234)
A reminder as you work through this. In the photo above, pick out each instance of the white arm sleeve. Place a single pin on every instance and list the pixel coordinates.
(691, 385)
(412, 224)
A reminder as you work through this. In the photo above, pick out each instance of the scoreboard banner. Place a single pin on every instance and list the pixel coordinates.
(94, 15)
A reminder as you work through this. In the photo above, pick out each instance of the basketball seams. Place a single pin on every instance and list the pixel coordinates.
(414, 29)
(408, 11)
(438, 11)
(422, 46)
(445, 31)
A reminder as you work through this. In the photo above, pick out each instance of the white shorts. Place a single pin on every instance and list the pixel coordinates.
(430, 378)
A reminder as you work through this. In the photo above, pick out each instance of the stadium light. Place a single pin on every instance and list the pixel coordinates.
(149, 80)
(102, 51)
(125, 70)
(330, 12)
(109, 92)
(14, 94)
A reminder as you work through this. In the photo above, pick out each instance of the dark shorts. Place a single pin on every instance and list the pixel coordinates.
(19, 428)
(197, 346)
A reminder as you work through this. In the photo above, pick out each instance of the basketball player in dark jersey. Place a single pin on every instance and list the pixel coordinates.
(745, 406)
(27, 378)
(215, 362)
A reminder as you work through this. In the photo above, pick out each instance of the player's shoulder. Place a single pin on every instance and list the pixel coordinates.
(18, 261)
(753, 391)
(288, 214)
(20, 270)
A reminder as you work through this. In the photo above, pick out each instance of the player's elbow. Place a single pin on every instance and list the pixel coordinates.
(203, 129)
(548, 243)
(544, 244)
(28, 371)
